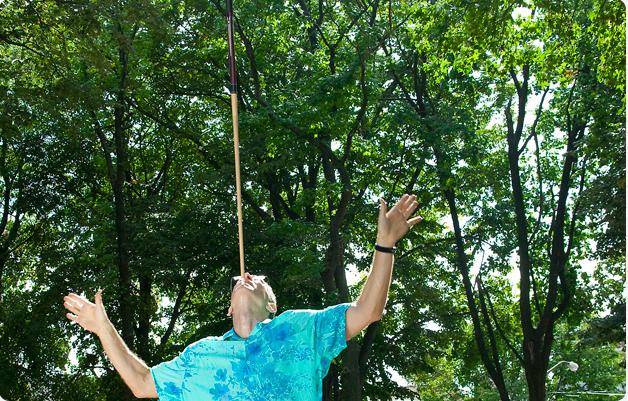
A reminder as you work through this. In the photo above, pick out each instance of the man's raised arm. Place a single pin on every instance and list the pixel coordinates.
(392, 225)
(92, 317)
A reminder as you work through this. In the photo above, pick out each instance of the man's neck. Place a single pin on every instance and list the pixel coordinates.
(243, 326)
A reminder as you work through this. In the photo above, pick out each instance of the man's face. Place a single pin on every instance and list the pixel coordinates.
(253, 284)
(249, 292)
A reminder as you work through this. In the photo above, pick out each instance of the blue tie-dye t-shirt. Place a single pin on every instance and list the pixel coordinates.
(284, 358)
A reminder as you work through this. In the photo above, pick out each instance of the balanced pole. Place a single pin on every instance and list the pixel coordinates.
(236, 139)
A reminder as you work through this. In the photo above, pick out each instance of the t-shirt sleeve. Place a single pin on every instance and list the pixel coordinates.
(329, 333)
(169, 377)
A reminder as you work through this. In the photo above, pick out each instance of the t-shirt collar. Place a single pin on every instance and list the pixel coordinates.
(231, 335)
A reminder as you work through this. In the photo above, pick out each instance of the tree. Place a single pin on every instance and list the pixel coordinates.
(546, 283)
(116, 135)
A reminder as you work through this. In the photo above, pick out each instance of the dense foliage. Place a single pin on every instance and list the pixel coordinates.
(507, 119)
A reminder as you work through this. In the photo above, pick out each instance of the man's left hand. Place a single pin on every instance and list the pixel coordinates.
(393, 224)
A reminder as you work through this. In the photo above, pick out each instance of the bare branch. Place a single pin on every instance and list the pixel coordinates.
(167, 122)
(489, 329)
(574, 213)
(515, 80)
(176, 310)
(501, 332)
(104, 144)
(8, 184)
(159, 181)
(359, 119)
(558, 257)
(534, 124)
(6, 39)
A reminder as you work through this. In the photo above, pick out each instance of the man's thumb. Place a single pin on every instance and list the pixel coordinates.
(383, 208)
(98, 298)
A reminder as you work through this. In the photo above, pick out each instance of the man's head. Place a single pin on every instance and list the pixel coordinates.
(252, 295)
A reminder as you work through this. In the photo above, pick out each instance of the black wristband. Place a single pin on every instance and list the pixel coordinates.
(384, 249)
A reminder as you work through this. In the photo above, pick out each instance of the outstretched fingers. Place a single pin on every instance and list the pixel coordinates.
(77, 298)
(403, 200)
(412, 207)
(408, 204)
(72, 317)
(400, 206)
(72, 305)
(406, 200)
(415, 220)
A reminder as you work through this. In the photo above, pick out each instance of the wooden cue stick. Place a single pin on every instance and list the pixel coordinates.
(236, 146)
(236, 139)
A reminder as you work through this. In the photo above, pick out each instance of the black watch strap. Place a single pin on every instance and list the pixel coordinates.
(384, 249)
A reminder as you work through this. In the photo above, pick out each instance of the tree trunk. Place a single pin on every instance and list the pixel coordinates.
(335, 277)
(144, 315)
(122, 237)
(330, 384)
(538, 341)
(121, 175)
(489, 359)
(351, 377)
(536, 364)
(3, 260)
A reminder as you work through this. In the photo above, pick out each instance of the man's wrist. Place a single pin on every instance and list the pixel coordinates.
(384, 249)
(385, 242)
(105, 330)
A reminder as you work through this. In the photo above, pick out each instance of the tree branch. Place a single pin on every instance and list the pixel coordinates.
(534, 124)
(167, 122)
(501, 332)
(176, 310)
(500, 384)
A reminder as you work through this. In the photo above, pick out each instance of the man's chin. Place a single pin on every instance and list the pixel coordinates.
(244, 309)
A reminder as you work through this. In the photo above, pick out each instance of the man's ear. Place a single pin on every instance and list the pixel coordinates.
(271, 307)
(230, 311)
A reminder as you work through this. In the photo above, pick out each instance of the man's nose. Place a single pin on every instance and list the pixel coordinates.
(249, 281)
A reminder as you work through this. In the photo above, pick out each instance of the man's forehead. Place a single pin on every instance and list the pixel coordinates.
(254, 277)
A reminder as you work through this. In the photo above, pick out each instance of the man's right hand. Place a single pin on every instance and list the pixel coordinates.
(91, 316)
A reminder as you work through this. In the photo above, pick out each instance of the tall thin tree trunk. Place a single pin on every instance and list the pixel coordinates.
(351, 383)
(491, 362)
(2, 264)
(122, 236)
(144, 315)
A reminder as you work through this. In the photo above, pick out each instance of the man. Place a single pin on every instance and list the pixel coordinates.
(284, 358)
